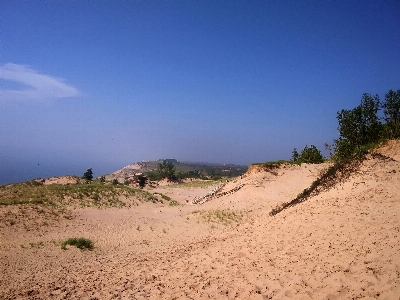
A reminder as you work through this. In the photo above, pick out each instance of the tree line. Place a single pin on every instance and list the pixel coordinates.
(360, 129)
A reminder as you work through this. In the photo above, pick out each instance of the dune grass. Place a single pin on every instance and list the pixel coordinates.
(174, 203)
(95, 194)
(278, 162)
(221, 216)
(81, 243)
(164, 197)
(198, 183)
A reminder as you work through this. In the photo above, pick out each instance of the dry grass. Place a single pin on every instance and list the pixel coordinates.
(95, 194)
(221, 216)
(197, 184)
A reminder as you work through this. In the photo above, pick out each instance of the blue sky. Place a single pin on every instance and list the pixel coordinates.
(103, 84)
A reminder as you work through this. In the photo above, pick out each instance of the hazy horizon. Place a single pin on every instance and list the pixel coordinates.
(100, 84)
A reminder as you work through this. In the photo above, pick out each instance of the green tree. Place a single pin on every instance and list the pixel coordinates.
(103, 179)
(311, 155)
(370, 125)
(88, 175)
(391, 110)
(141, 180)
(295, 155)
(166, 169)
(358, 127)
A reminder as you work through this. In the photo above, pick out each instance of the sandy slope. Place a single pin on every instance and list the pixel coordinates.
(341, 244)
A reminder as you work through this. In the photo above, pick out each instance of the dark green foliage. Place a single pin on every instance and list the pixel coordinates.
(115, 181)
(311, 155)
(80, 243)
(88, 175)
(295, 155)
(391, 109)
(195, 170)
(153, 176)
(358, 127)
(141, 180)
(102, 179)
(273, 164)
(166, 169)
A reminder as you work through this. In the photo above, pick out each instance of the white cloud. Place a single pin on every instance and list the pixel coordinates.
(39, 86)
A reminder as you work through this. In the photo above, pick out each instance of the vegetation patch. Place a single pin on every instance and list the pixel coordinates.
(221, 216)
(164, 197)
(95, 194)
(197, 184)
(275, 164)
(174, 203)
(81, 243)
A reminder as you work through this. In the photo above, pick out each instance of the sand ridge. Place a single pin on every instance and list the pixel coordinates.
(341, 244)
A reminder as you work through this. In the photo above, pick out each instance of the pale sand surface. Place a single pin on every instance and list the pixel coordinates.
(341, 244)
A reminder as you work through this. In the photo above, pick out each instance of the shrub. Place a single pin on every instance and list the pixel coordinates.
(391, 109)
(358, 127)
(174, 203)
(80, 243)
(141, 180)
(295, 155)
(310, 155)
(166, 169)
(88, 175)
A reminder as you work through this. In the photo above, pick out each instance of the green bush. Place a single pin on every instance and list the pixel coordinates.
(80, 243)
(88, 175)
(391, 109)
(309, 155)
(166, 169)
(361, 129)
(174, 203)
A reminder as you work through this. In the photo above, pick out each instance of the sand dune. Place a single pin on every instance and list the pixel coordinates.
(342, 244)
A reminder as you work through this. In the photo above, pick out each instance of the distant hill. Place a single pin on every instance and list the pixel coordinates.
(188, 169)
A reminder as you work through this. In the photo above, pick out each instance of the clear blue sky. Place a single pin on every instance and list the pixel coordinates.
(103, 84)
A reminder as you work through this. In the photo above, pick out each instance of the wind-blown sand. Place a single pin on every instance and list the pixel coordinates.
(341, 244)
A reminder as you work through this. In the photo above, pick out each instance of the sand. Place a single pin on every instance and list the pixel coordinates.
(341, 244)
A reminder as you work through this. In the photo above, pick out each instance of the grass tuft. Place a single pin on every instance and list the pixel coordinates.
(174, 203)
(223, 216)
(80, 243)
(164, 197)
